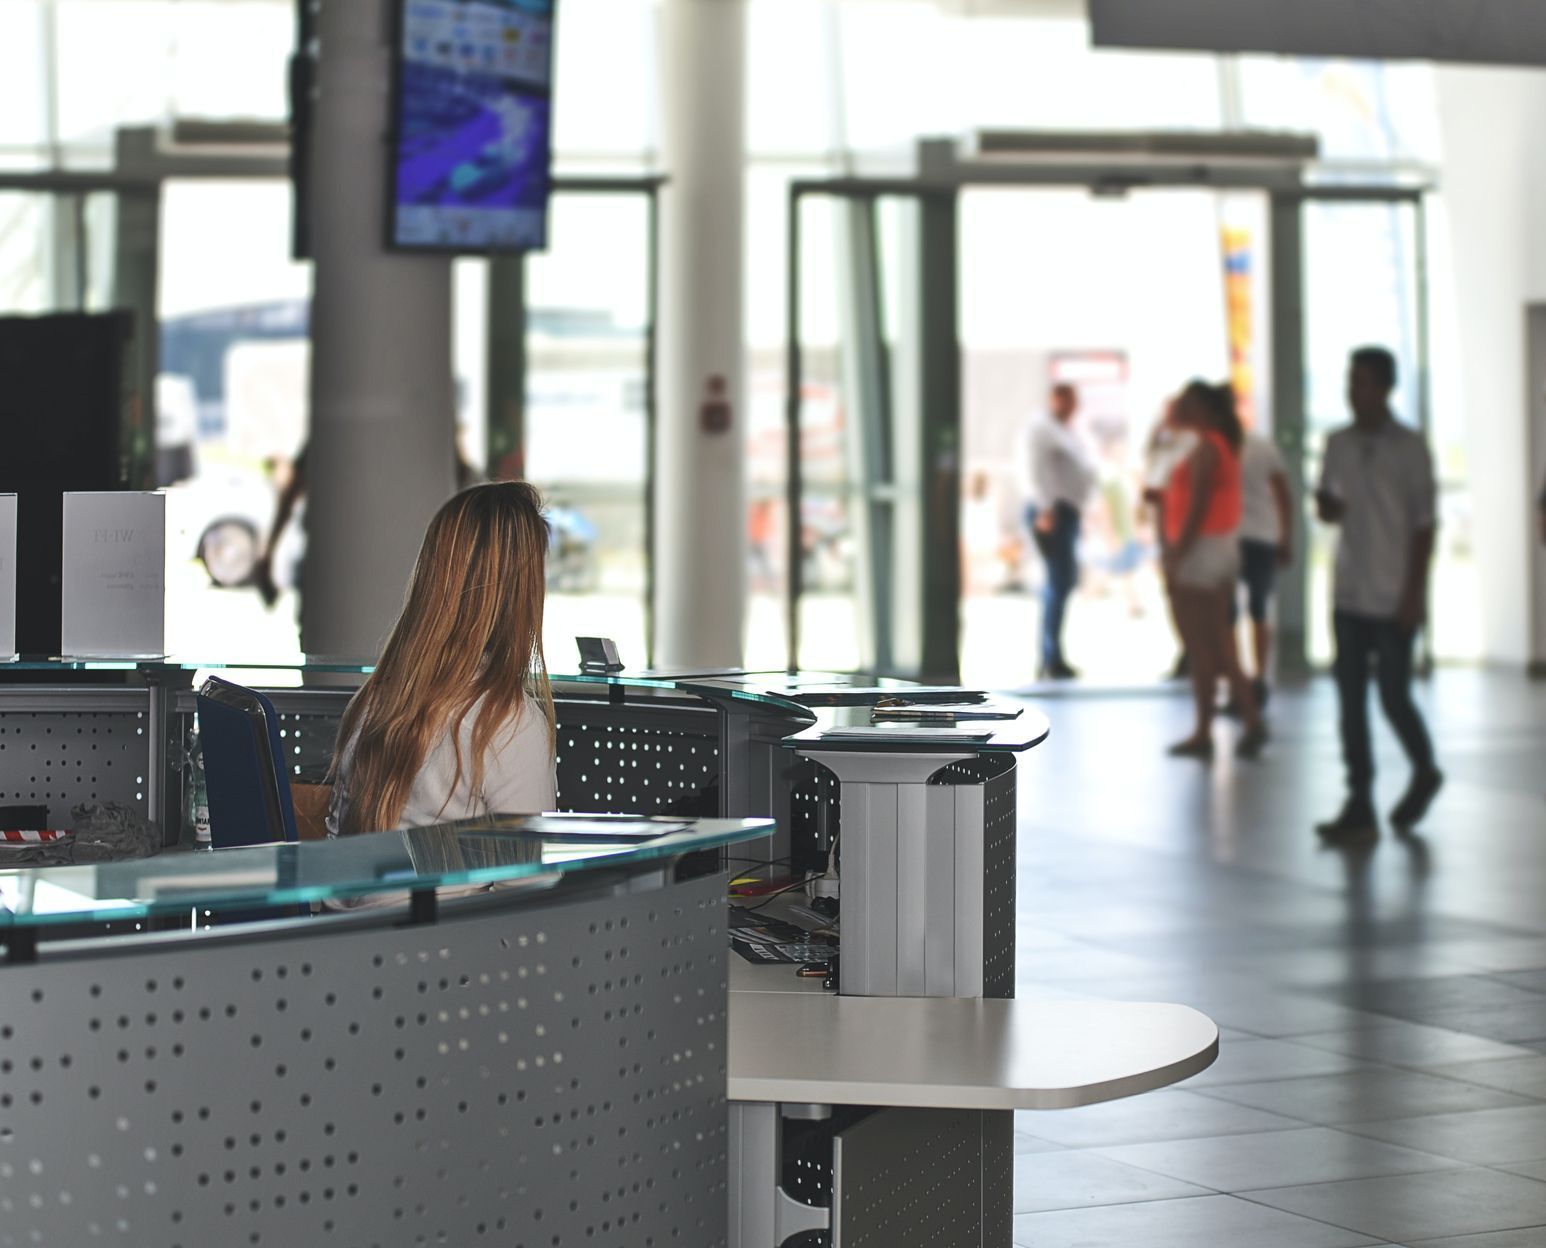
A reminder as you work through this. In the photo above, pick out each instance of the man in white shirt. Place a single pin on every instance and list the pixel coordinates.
(1266, 541)
(1062, 475)
(1377, 484)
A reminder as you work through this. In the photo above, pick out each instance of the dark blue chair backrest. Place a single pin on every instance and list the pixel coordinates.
(244, 767)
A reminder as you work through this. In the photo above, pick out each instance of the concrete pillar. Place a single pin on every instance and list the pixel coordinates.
(700, 555)
(380, 460)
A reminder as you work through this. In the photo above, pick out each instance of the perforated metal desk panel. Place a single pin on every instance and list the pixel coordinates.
(637, 743)
(544, 1065)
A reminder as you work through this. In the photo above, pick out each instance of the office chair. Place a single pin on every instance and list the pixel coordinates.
(244, 767)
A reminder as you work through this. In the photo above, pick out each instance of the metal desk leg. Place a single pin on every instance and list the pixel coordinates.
(762, 1214)
(899, 866)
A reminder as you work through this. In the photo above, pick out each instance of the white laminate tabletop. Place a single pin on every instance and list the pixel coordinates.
(958, 1053)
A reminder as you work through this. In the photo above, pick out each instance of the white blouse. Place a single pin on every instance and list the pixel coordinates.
(519, 776)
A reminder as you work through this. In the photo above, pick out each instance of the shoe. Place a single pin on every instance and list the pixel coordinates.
(1192, 747)
(1251, 741)
(1263, 693)
(1356, 819)
(1057, 671)
(1425, 786)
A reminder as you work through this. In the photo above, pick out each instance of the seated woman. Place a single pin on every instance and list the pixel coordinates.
(457, 719)
(1202, 510)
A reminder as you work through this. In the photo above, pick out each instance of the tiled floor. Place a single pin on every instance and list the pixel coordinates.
(1382, 1078)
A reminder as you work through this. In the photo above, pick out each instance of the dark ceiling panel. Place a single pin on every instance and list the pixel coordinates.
(1496, 32)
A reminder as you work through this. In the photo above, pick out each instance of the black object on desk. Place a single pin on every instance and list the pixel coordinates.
(598, 654)
(762, 940)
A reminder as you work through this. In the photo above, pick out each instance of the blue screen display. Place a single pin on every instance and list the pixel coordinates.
(473, 157)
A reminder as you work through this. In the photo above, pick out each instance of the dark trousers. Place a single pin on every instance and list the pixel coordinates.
(1359, 637)
(1060, 552)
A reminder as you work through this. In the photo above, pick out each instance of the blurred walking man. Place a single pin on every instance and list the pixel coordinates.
(1377, 484)
(1062, 475)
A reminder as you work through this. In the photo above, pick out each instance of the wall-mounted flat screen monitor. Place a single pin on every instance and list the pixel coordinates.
(472, 103)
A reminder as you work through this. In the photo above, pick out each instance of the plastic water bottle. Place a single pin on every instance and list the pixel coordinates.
(197, 810)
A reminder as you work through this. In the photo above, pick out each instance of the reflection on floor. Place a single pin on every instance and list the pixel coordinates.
(1383, 1073)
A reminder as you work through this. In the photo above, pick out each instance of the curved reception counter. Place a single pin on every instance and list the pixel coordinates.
(532, 1032)
(511, 1032)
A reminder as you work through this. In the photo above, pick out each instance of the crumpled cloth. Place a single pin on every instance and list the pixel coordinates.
(102, 832)
(109, 831)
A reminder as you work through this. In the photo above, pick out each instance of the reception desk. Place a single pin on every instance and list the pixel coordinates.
(505, 1102)
(456, 1036)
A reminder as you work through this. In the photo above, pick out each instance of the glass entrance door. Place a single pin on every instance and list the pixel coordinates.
(1364, 283)
(872, 432)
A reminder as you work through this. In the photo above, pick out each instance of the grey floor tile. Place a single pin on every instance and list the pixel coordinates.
(1400, 1043)
(1412, 998)
(1419, 1206)
(1511, 1024)
(1525, 953)
(1168, 1115)
(1201, 1222)
(1523, 1076)
(1364, 1096)
(1281, 1014)
(1238, 1163)
(1030, 1144)
(1251, 1061)
(1527, 1237)
(1530, 981)
(1529, 1169)
(1073, 1179)
(1483, 1137)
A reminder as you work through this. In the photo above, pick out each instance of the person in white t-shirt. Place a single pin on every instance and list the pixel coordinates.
(1377, 485)
(1266, 543)
(1062, 474)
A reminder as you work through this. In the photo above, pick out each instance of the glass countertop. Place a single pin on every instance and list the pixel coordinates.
(795, 691)
(472, 853)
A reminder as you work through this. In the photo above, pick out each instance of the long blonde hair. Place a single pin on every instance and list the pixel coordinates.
(471, 628)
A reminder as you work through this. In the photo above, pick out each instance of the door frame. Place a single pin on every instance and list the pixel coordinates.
(1275, 166)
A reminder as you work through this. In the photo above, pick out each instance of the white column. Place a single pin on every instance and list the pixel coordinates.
(380, 460)
(701, 470)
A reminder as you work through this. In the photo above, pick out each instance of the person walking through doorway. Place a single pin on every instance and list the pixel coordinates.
(1266, 544)
(1203, 504)
(1062, 475)
(1377, 486)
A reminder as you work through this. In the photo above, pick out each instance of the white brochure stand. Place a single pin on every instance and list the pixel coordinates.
(7, 576)
(113, 578)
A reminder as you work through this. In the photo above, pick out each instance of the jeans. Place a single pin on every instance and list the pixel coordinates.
(1059, 551)
(1359, 636)
(1259, 575)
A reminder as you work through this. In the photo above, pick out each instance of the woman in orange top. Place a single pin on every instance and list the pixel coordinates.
(1203, 503)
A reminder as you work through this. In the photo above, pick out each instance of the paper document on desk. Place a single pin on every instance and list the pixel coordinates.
(573, 827)
(906, 732)
(942, 712)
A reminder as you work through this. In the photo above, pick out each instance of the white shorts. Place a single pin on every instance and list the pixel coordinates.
(1213, 562)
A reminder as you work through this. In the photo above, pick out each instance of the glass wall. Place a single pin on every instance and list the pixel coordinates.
(588, 320)
(231, 409)
(833, 85)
